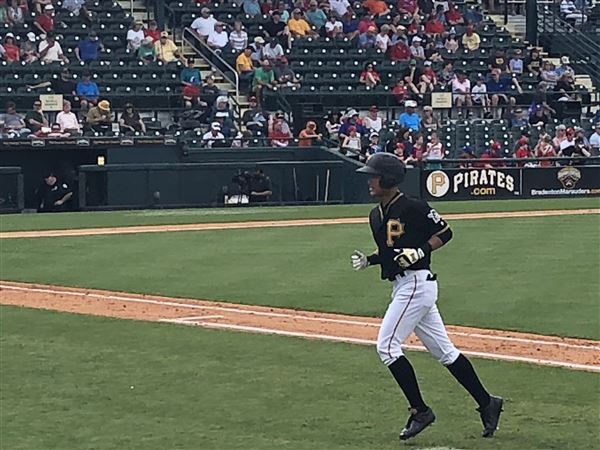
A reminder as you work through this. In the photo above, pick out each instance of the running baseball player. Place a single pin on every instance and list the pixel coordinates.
(406, 231)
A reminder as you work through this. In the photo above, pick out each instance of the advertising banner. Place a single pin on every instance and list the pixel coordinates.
(566, 181)
(471, 184)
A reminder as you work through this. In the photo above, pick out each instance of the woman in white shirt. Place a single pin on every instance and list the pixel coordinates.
(351, 144)
(135, 36)
(333, 125)
(434, 152)
(382, 41)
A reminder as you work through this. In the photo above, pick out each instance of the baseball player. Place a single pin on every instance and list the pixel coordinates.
(406, 231)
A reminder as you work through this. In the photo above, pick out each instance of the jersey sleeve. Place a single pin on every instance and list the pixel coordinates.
(429, 219)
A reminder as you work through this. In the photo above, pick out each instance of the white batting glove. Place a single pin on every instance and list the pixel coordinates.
(359, 260)
(408, 256)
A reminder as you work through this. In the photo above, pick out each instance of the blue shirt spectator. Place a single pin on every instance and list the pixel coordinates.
(251, 7)
(367, 40)
(87, 89)
(315, 16)
(497, 85)
(409, 118)
(349, 25)
(88, 49)
(191, 74)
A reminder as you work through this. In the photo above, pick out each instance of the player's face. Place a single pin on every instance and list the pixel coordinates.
(375, 189)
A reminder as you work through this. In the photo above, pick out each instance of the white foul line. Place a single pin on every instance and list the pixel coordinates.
(280, 315)
(327, 337)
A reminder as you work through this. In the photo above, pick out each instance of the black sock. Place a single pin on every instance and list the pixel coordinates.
(405, 377)
(463, 371)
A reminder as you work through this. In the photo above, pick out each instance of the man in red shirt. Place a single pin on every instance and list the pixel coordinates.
(152, 31)
(492, 153)
(522, 151)
(45, 22)
(434, 26)
(365, 23)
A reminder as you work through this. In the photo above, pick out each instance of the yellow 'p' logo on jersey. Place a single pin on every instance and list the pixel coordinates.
(395, 229)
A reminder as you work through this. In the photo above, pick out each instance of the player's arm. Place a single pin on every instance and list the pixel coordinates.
(361, 261)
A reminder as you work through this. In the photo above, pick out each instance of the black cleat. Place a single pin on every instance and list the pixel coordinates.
(490, 416)
(417, 422)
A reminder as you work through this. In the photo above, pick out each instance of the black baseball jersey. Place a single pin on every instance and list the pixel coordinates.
(403, 223)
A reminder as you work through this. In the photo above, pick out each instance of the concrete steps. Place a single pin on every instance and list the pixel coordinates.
(515, 25)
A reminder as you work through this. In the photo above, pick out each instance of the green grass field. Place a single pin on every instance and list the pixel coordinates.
(66, 379)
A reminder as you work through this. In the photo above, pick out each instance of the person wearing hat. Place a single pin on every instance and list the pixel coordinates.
(264, 78)
(29, 51)
(223, 118)
(409, 118)
(298, 26)
(50, 51)
(254, 118)
(251, 7)
(399, 49)
(351, 119)
(87, 49)
(518, 119)
(493, 152)
(130, 121)
(12, 53)
(428, 120)
(564, 67)
(372, 121)
(152, 31)
(416, 49)
(257, 50)
(99, 117)
(315, 15)
(44, 22)
(351, 143)
(522, 150)
(471, 39)
(560, 136)
(36, 119)
(204, 24)
(333, 27)
(466, 154)
(368, 39)
(279, 133)
(374, 146)
(87, 90)
(544, 149)
(284, 75)
(210, 91)
(166, 50)
(515, 64)
(191, 75)
(147, 52)
(53, 195)
(272, 50)
(218, 40)
(135, 35)
(308, 135)
(276, 27)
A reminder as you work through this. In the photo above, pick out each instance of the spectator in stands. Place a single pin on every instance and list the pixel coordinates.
(63, 85)
(309, 135)
(333, 27)
(560, 136)
(497, 87)
(412, 77)
(416, 49)
(4, 14)
(204, 24)
(571, 13)
(251, 7)
(434, 153)
(15, 13)
(515, 64)
(373, 122)
(382, 40)
(226, 123)
(264, 78)
(409, 7)
(498, 61)
(461, 91)
(549, 74)
(447, 74)
(351, 144)
(135, 35)
(582, 138)
(374, 146)
(279, 131)
(467, 154)
(130, 121)
(282, 9)
(254, 118)
(218, 40)
(491, 153)
(451, 44)
(298, 26)
(368, 21)
(50, 51)
(257, 49)
(147, 51)
(564, 67)
(238, 38)
(544, 149)
(12, 53)
(368, 39)
(210, 91)
(518, 119)
(434, 26)
(284, 75)
(534, 62)
(453, 15)
(429, 121)
(76, 7)
(369, 77)
(594, 140)
(87, 49)
(340, 7)
(272, 50)
(566, 87)
(376, 7)
(470, 39)
(245, 68)
(479, 96)
(45, 22)
(152, 31)
(350, 26)
(213, 135)
(428, 78)
(166, 50)
(400, 91)
(87, 90)
(266, 7)
(99, 117)
(399, 49)
(522, 151)
(351, 119)
(29, 51)
(36, 119)
(277, 28)
(14, 125)
(409, 118)
(315, 16)
(333, 124)
(567, 145)
(190, 94)
(538, 116)
(68, 120)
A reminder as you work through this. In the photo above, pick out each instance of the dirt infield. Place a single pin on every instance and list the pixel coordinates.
(576, 354)
(275, 224)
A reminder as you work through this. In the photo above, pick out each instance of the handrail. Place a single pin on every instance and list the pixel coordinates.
(235, 81)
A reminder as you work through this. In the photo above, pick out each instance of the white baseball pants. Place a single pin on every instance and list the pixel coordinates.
(413, 308)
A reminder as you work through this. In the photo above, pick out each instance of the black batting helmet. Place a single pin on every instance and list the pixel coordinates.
(386, 165)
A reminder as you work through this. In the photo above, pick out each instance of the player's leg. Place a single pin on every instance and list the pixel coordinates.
(432, 332)
(404, 312)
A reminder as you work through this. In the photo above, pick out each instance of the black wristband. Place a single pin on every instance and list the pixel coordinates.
(426, 248)
(374, 259)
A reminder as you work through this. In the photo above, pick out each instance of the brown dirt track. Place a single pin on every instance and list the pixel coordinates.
(576, 354)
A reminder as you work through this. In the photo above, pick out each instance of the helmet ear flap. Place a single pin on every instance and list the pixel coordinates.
(387, 182)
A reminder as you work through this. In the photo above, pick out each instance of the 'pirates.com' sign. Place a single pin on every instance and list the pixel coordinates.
(451, 184)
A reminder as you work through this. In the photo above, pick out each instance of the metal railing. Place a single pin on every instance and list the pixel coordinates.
(189, 37)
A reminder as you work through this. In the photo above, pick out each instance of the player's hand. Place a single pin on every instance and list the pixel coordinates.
(359, 260)
(408, 256)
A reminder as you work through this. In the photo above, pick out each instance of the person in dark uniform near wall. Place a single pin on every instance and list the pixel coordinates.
(406, 232)
(260, 187)
(54, 195)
